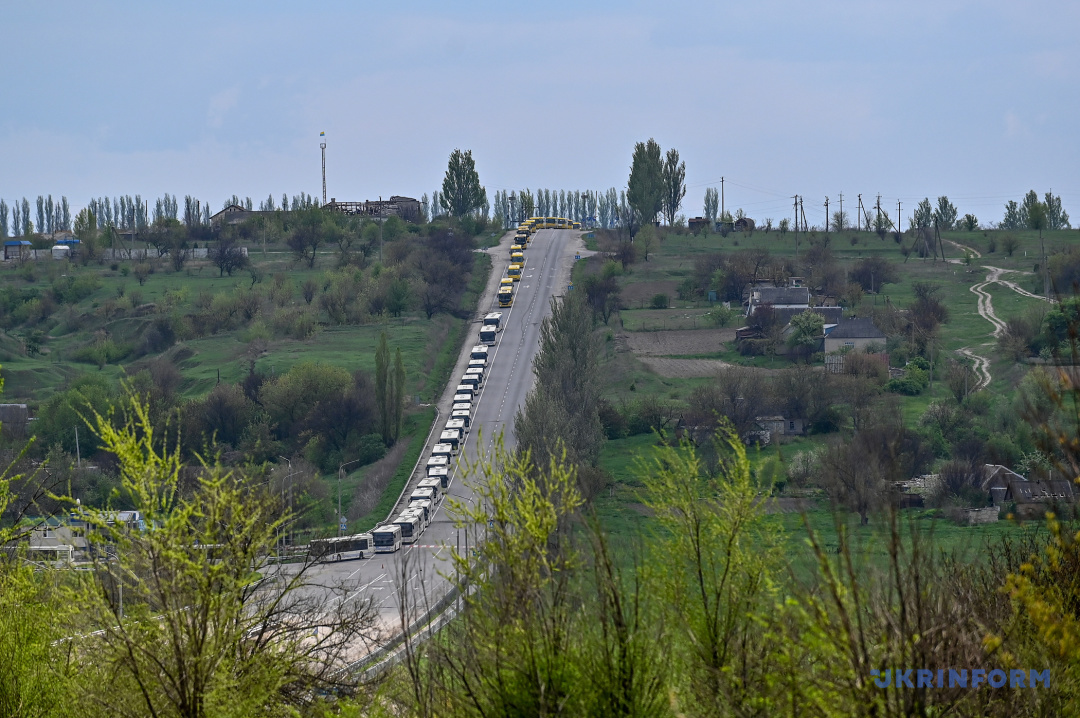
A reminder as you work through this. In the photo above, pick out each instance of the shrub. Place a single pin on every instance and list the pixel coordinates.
(660, 301)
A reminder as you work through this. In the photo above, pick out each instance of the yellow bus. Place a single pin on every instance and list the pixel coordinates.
(521, 238)
(516, 249)
(564, 223)
(506, 283)
(577, 225)
(514, 272)
(518, 258)
(551, 222)
(506, 296)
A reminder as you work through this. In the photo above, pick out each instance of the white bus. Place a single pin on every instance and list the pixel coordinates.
(422, 506)
(441, 449)
(423, 493)
(438, 460)
(342, 548)
(441, 473)
(478, 363)
(475, 371)
(452, 437)
(479, 351)
(456, 424)
(461, 406)
(462, 415)
(463, 399)
(387, 538)
(492, 319)
(469, 389)
(471, 380)
(488, 333)
(410, 526)
(433, 483)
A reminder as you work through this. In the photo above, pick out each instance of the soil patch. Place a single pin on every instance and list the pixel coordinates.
(638, 295)
(684, 368)
(679, 342)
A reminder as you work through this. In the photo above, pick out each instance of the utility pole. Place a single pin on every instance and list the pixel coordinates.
(826, 215)
(721, 199)
(878, 211)
(860, 211)
(795, 216)
(802, 211)
(322, 146)
(898, 225)
(841, 222)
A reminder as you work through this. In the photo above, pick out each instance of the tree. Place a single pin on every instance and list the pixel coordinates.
(1012, 219)
(86, 230)
(839, 220)
(461, 189)
(873, 272)
(924, 214)
(945, 214)
(712, 206)
(645, 188)
(969, 222)
(397, 408)
(1056, 217)
(807, 329)
(1035, 214)
(193, 617)
(674, 182)
(227, 256)
(306, 234)
(647, 239)
(383, 390)
(1010, 244)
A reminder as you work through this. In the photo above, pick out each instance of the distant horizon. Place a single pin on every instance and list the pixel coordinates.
(976, 101)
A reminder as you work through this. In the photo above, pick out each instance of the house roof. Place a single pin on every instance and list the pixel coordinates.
(856, 329)
(798, 296)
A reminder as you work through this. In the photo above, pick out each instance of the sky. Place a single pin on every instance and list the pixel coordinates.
(975, 100)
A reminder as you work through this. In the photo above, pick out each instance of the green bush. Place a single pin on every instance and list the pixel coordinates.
(660, 301)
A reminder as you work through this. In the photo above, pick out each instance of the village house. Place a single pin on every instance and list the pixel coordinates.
(853, 334)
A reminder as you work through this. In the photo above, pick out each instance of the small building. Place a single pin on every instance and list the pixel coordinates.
(744, 224)
(17, 249)
(13, 420)
(697, 225)
(781, 426)
(853, 334)
(61, 251)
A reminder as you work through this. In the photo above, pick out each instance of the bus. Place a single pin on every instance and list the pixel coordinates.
(435, 484)
(517, 249)
(440, 474)
(564, 223)
(442, 460)
(551, 222)
(452, 437)
(576, 225)
(472, 380)
(476, 371)
(341, 548)
(463, 415)
(387, 538)
(469, 389)
(461, 406)
(518, 258)
(488, 333)
(410, 526)
(506, 297)
(423, 507)
(479, 352)
(441, 449)
(493, 319)
(514, 272)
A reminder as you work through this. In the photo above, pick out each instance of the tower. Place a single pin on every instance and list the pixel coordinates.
(322, 146)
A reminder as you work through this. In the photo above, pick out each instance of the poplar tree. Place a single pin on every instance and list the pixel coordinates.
(462, 192)
(382, 374)
(712, 205)
(645, 188)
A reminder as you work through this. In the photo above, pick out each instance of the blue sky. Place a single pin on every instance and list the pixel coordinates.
(977, 100)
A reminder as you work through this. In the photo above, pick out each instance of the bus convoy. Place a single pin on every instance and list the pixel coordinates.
(407, 527)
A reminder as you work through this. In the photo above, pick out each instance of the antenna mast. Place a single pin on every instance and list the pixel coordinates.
(322, 146)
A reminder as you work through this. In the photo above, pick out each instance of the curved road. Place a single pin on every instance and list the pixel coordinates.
(418, 568)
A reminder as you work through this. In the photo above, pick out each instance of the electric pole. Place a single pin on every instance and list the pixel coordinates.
(721, 199)
(322, 146)
(878, 212)
(826, 215)
(795, 216)
(841, 222)
(802, 211)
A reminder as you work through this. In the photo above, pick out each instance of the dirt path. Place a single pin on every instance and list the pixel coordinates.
(982, 368)
(986, 302)
(974, 252)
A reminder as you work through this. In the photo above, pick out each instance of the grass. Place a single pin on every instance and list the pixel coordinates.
(418, 425)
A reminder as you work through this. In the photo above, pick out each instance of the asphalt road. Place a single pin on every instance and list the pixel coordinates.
(416, 572)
